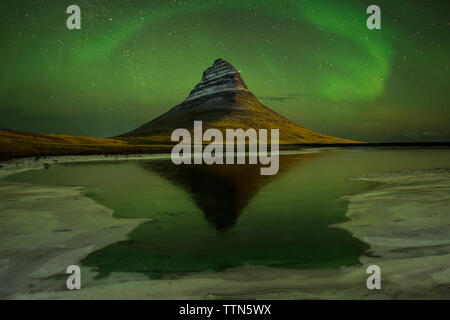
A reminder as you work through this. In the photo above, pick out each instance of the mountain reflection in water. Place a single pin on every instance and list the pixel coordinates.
(221, 192)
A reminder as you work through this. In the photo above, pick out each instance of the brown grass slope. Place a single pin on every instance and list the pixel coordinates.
(16, 144)
(229, 111)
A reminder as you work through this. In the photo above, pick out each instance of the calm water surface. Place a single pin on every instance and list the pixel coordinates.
(214, 217)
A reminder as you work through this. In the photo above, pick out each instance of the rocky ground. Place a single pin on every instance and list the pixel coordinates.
(405, 219)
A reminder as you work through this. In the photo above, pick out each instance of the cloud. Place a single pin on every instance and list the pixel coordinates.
(282, 98)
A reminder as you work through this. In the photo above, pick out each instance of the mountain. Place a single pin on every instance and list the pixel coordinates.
(222, 100)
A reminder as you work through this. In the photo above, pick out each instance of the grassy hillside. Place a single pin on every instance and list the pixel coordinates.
(14, 144)
(232, 111)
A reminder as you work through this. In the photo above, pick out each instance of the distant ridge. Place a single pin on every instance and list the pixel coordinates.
(222, 100)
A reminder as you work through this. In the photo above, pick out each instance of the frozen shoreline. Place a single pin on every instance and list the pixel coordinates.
(35, 163)
(66, 226)
(18, 165)
(405, 220)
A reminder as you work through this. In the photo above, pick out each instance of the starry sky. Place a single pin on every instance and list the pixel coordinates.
(314, 62)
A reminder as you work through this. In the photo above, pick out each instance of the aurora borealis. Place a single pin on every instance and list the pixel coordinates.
(314, 62)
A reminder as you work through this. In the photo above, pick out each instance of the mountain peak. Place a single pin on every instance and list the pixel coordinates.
(220, 60)
(221, 100)
(221, 77)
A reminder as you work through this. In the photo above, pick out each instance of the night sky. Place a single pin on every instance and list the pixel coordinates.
(314, 62)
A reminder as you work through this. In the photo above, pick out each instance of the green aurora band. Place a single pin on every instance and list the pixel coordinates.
(313, 61)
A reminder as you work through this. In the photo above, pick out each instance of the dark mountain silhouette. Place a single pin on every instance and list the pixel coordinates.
(222, 192)
(222, 100)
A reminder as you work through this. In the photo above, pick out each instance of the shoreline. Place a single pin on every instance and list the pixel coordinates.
(410, 244)
(18, 165)
(7, 155)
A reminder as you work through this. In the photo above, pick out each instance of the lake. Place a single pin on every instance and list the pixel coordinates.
(204, 217)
